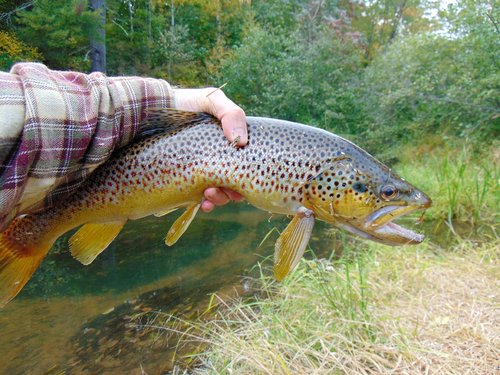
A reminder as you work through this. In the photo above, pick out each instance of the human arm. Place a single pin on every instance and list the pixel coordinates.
(57, 127)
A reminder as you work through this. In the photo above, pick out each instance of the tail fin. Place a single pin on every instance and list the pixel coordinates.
(18, 262)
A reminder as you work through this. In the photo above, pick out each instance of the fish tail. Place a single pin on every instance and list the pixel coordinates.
(20, 256)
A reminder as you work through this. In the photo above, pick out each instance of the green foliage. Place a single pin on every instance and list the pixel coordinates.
(12, 50)
(284, 75)
(378, 71)
(60, 30)
(175, 40)
(463, 184)
(429, 83)
(380, 22)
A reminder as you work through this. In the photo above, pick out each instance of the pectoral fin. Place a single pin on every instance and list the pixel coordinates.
(92, 239)
(292, 243)
(181, 224)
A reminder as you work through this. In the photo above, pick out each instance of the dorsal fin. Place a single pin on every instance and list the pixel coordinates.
(168, 120)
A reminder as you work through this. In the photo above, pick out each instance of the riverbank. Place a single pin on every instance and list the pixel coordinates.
(405, 310)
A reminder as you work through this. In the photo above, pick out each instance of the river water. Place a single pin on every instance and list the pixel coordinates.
(76, 319)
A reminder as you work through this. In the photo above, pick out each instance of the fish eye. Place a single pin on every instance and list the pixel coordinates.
(359, 187)
(389, 192)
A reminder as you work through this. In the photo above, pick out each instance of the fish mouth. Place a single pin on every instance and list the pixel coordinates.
(379, 226)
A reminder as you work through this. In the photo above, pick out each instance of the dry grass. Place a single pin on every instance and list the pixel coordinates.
(447, 306)
(393, 311)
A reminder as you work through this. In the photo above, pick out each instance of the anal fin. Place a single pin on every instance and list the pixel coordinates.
(292, 243)
(92, 239)
(181, 224)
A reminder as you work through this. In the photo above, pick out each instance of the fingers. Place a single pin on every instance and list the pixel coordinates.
(215, 102)
(218, 197)
(232, 117)
(207, 206)
(235, 126)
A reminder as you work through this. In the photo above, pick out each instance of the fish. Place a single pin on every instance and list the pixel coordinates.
(286, 168)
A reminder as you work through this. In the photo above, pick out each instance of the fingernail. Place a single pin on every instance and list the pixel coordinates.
(239, 132)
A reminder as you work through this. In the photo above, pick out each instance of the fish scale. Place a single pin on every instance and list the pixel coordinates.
(286, 168)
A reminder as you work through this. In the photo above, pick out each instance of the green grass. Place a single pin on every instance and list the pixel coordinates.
(464, 185)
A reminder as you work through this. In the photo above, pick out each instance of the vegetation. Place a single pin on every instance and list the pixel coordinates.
(414, 83)
(405, 311)
(373, 70)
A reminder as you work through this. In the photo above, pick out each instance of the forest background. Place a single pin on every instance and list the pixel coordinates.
(381, 72)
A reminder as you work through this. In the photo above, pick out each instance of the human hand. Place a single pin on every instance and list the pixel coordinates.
(232, 118)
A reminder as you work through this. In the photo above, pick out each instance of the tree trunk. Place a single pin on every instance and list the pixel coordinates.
(98, 43)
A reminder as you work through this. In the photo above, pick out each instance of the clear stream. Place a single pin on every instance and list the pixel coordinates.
(75, 319)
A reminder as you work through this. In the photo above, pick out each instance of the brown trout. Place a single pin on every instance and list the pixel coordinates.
(286, 168)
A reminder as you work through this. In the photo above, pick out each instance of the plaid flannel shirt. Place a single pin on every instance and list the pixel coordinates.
(57, 127)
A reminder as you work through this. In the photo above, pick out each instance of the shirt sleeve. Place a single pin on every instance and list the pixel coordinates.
(57, 127)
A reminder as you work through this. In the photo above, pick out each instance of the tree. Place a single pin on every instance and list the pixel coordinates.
(12, 50)
(381, 21)
(60, 30)
(98, 42)
(283, 75)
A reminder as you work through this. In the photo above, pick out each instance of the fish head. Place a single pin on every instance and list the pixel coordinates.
(364, 197)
